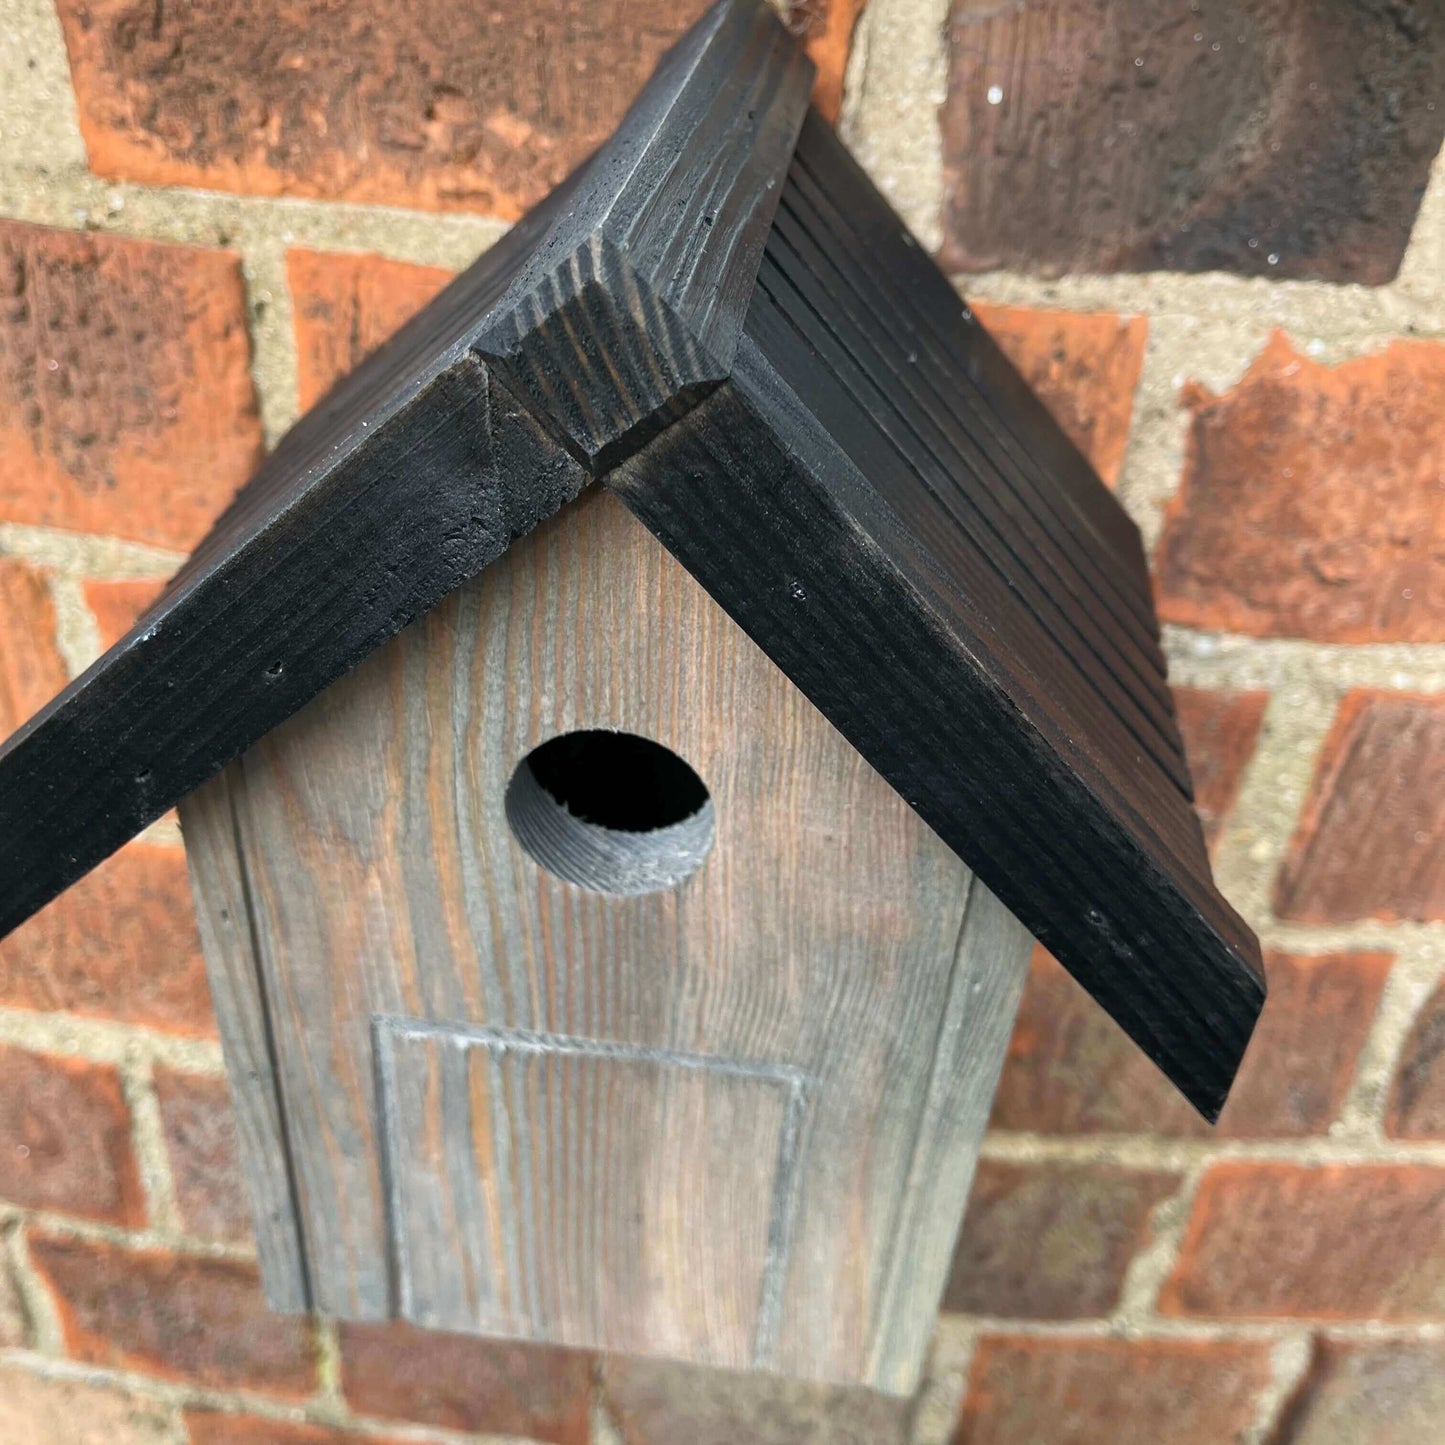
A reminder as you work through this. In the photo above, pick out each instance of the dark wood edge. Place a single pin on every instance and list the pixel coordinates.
(883, 662)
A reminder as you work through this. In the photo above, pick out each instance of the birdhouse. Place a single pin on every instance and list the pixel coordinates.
(628, 737)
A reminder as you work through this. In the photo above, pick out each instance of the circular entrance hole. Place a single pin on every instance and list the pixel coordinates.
(611, 811)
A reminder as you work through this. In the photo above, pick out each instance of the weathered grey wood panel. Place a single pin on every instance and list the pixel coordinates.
(223, 913)
(788, 1057)
(974, 1026)
(482, 1126)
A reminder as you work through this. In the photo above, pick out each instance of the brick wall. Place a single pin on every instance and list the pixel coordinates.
(1213, 258)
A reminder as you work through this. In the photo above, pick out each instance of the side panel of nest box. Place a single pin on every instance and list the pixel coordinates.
(732, 1120)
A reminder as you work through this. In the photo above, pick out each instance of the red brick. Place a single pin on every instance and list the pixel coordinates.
(183, 1317)
(439, 104)
(1306, 1049)
(1251, 135)
(116, 605)
(1052, 1391)
(48, 1410)
(345, 307)
(1071, 1071)
(120, 944)
(1417, 1098)
(1051, 1241)
(656, 1402)
(1085, 367)
(1332, 1242)
(1384, 1394)
(464, 1383)
(206, 1427)
(200, 1134)
(1220, 732)
(65, 1139)
(826, 28)
(1312, 503)
(126, 404)
(32, 670)
(1370, 842)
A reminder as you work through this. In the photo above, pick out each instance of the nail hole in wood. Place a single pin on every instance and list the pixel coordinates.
(611, 811)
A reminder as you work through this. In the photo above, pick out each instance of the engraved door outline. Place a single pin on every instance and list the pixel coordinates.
(392, 1036)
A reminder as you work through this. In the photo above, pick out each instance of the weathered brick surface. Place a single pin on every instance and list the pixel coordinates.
(207, 1427)
(464, 1383)
(40, 1410)
(345, 306)
(126, 404)
(1368, 1394)
(200, 1135)
(120, 944)
(1417, 1097)
(1335, 1242)
(654, 1402)
(65, 1140)
(1312, 503)
(1306, 1048)
(1051, 1241)
(1070, 1069)
(180, 1316)
(31, 668)
(437, 104)
(1033, 1391)
(1220, 731)
(116, 605)
(1247, 135)
(826, 28)
(1370, 842)
(1084, 365)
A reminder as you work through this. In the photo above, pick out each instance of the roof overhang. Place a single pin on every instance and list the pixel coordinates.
(720, 317)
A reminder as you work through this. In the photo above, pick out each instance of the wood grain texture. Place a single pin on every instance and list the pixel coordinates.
(1087, 633)
(407, 478)
(887, 559)
(224, 917)
(734, 1120)
(679, 1239)
(979, 1010)
(615, 327)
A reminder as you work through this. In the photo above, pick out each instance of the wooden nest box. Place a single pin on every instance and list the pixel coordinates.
(616, 897)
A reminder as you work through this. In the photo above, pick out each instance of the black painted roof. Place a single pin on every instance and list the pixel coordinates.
(721, 318)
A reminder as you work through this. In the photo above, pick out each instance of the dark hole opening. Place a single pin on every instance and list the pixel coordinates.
(617, 780)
